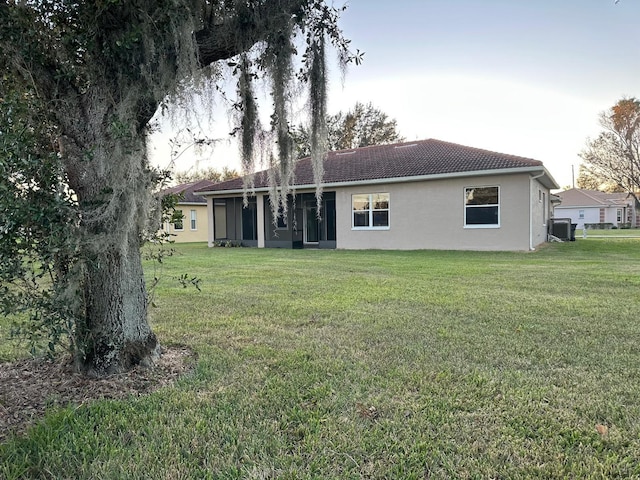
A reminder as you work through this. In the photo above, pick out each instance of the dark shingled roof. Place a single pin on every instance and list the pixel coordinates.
(400, 160)
(187, 189)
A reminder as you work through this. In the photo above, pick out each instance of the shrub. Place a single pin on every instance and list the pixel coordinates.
(599, 226)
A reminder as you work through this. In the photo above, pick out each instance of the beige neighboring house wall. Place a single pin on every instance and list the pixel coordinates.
(195, 221)
(430, 214)
(188, 233)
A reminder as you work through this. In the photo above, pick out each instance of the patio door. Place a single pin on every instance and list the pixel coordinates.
(311, 224)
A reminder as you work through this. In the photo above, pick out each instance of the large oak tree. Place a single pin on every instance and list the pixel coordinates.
(80, 82)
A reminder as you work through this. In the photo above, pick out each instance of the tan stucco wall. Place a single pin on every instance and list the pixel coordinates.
(200, 234)
(430, 215)
(540, 212)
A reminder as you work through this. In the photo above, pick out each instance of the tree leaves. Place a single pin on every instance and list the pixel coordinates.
(614, 155)
(38, 222)
(361, 126)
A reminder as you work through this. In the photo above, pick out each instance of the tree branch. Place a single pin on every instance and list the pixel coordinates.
(225, 38)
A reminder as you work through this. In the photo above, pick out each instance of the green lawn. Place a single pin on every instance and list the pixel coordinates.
(369, 364)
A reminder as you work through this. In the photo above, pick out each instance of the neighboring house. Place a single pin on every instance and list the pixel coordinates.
(426, 194)
(194, 226)
(594, 207)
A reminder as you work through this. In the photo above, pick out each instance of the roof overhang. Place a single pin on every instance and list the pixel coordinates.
(555, 199)
(602, 205)
(540, 173)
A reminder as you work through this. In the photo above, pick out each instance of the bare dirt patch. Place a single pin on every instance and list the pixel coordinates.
(29, 387)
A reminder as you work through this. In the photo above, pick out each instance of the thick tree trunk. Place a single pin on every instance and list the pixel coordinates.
(110, 175)
(117, 335)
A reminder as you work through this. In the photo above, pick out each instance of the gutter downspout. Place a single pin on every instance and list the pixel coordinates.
(531, 179)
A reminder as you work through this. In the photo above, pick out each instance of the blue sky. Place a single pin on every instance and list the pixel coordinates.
(521, 77)
(524, 77)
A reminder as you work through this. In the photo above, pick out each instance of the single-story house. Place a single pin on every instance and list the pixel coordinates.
(594, 207)
(425, 194)
(194, 226)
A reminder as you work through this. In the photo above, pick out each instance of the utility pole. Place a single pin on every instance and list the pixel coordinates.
(573, 177)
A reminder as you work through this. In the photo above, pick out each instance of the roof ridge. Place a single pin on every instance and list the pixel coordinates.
(382, 145)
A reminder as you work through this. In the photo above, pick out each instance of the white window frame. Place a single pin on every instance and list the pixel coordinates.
(465, 206)
(581, 214)
(175, 225)
(193, 221)
(371, 210)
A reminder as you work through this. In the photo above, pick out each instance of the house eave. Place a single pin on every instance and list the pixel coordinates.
(602, 205)
(551, 183)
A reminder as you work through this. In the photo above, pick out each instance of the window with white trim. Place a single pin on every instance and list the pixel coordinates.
(178, 217)
(194, 223)
(370, 211)
(482, 207)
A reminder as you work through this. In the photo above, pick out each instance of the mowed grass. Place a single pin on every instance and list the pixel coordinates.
(376, 364)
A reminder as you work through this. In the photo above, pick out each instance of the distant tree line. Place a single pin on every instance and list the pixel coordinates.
(361, 126)
(213, 174)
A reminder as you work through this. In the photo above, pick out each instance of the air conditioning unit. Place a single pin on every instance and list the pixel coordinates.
(562, 229)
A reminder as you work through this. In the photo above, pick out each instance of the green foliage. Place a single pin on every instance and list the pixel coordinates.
(227, 243)
(186, 281)
(359, 127)
(212, 174)
(38, 224)
(599, 226)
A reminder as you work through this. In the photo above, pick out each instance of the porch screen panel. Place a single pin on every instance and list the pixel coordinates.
(249, 221)
(220, 219)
